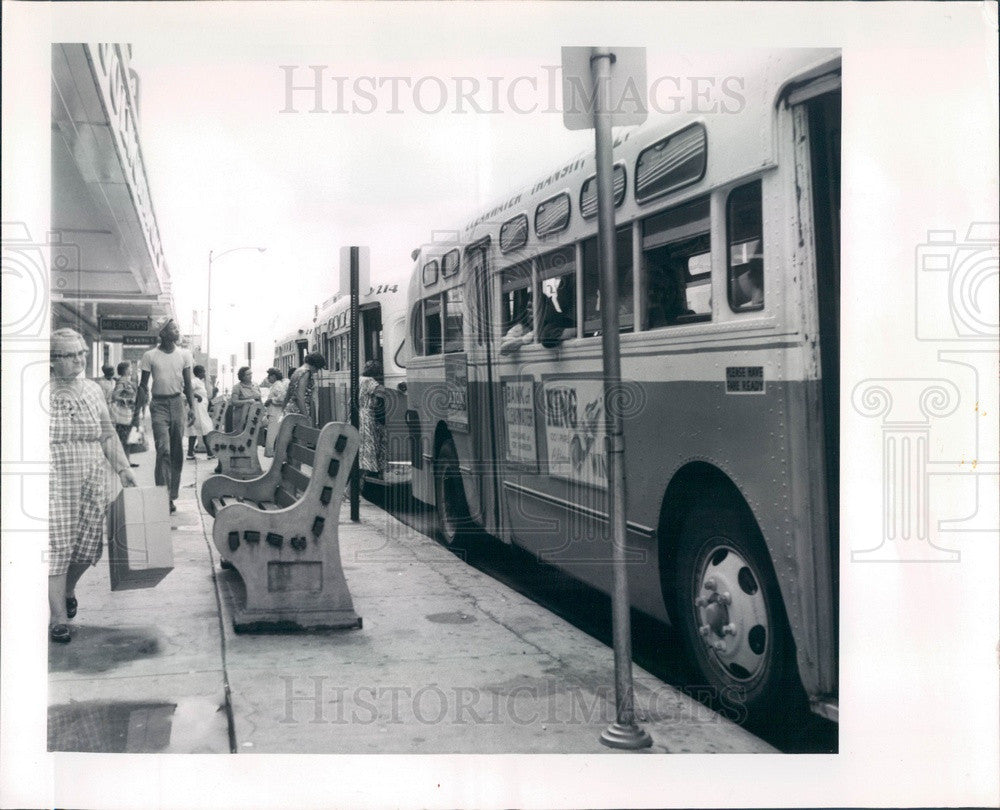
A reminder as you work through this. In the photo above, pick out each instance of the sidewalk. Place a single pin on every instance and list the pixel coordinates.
(448, 661)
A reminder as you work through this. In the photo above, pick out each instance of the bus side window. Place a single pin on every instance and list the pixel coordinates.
(417, 319)
(744, 238)
(677, 262)
(517, 317)
(557, 274)
(592, 283)
(453, 320)
(432, 325)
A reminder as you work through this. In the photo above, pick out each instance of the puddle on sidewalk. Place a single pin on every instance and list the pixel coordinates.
(189, 725)
(98, 649)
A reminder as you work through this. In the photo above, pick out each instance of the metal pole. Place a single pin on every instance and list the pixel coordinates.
(624, 732)
(355, 354)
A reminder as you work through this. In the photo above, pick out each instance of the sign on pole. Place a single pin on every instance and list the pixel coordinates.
(625, 84)
(605, 87)
(123, 324)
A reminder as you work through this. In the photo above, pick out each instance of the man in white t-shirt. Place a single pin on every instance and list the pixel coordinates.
(170, 368)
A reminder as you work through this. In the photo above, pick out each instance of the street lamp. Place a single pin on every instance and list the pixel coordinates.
(208, 318)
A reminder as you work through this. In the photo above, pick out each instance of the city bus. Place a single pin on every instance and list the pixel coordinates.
(291, 349)
(382, 309)
(727, 249)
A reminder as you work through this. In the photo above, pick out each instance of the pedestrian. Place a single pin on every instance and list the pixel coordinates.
(243, 394)
(300, 386)
(122, 405)
(83, 442)
(170, 367)
(202, 422)
(107, 382)
(371, 404)
(275, 402)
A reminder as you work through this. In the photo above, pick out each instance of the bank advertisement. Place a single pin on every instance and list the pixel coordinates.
(574, 430)
(519, 417)
(456, 379)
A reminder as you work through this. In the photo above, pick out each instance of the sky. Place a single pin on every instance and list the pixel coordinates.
(229, 169)
(407, 145)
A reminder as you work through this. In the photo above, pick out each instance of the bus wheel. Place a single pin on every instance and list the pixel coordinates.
(453, 521)
(730, 611)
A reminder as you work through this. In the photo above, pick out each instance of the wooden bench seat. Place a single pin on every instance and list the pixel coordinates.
(237, 452)
(279, 530)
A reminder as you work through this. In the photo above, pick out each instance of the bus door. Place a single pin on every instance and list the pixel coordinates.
(816, 118)
(371, 333)
(483, 444)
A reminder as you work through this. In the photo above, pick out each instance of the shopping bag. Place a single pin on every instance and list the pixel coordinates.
(140, 551)
(136, 441)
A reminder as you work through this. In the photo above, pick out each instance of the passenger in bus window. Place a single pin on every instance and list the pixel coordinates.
(518, 327)
(666, 290)
(558, 320)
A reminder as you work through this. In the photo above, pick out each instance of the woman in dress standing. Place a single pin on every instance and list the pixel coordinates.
(275, 402)
(202, 423)
(300, 386)
(83, 441)
(371, 406)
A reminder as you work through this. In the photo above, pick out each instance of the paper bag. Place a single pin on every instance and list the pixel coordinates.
(140, 551)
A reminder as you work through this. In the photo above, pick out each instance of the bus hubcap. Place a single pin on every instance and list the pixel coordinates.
(731, 613)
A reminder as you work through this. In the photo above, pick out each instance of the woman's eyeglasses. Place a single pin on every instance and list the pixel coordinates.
(68, 355)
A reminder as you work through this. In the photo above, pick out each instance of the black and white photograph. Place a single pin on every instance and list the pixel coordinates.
(394, 393)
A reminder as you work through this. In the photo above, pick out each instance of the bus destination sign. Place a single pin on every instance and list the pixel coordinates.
(119, 324)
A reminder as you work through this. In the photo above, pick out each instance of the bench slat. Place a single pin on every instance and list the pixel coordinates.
(301, 453)
(293, 479)
(305, 435)
(283, 498)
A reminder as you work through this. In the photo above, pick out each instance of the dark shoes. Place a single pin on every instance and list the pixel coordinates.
(59, 633)
(71, 606)
(172, 508)
(190, 457)
(133, 465)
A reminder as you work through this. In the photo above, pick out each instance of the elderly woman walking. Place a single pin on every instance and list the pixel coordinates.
(83, 441)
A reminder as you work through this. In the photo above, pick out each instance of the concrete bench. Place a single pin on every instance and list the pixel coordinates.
(280, 530)
(217, 410)
(237, 451)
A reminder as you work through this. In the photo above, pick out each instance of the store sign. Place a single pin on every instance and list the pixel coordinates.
(139, 340)
(574, 430)
(119, 324)
(113, 80)
(519, 417)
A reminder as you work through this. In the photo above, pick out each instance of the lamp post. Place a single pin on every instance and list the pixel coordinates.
(208, 317)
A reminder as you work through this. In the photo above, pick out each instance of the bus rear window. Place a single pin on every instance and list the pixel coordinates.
(744, 231)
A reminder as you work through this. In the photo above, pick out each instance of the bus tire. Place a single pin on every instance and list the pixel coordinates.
(729, 609)
(453, 521)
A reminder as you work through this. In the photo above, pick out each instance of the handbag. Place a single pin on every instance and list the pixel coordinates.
(136, 441)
